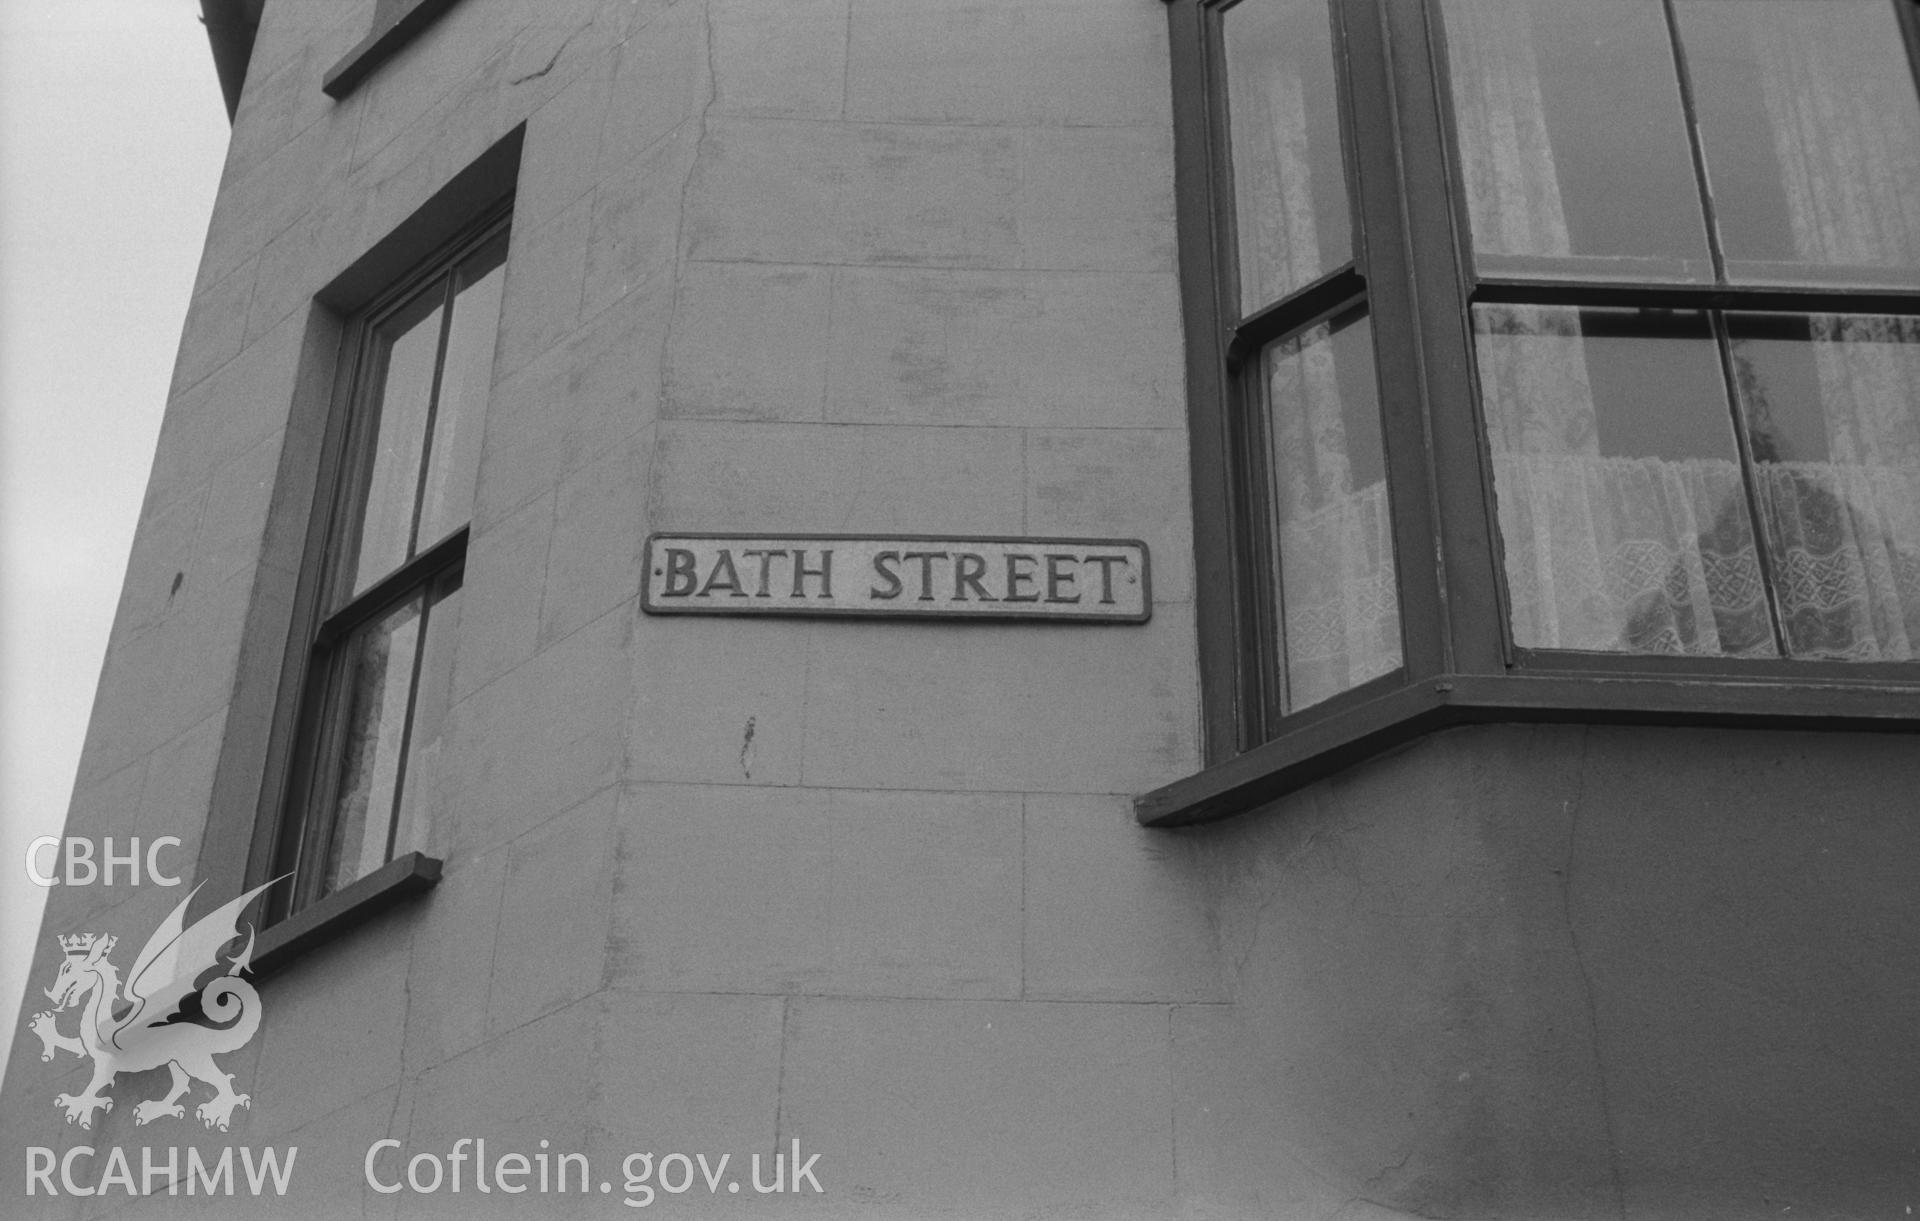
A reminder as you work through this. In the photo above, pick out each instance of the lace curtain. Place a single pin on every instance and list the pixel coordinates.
(1634, 554)
(1649, 554)
(1845, 533)
(1279, 231)
(1513, 189)
(1839, 99)
(1339, 621)
(1340, 618)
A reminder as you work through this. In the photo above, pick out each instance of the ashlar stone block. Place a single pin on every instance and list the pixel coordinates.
(661, 79)
(451, 968)
(177, 789)
(561, 155)
(569, 406)
(797, 477)
(1097, 198)
(187, 1135)
(799, 191)
(1030, 708)
(500, 596)
(550, 948)
(748, 889)
(540, 739)
(216, 324)
(1002, 61)
(558, 41)
(635, 231)
(1114, 482)
(112, 804)
(924, 893)
(745, 727)
(599, 526)
(457, 54)
(157, 683)
(985, 1107)
(687, 1073)
(127, 912)
(334, 1023)
(749, 342)
(234, 522)
(787, 60)
(720, 889)
(1242, 1148)
(261, 201)
(107, 806)
(1040, 349)
(225, 414)
(330, 1170)
(24, 1125)
(300, 260)
(1114, 911)
(546, 268)
(530, 1084)
(277, 101)
(162, 550)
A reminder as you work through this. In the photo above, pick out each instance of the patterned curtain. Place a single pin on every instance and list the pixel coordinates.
(1340, 619)
(1273, 182)
(1635, 554)
(1839, 99)
(1645, 554)
(1513, 187)
(1619, 554)
(1845, 533)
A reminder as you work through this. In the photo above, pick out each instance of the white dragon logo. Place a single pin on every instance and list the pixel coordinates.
(142, 1036)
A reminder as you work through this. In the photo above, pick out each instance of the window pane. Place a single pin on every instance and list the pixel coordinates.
(1573, 142)
(429, 717)
(1811, 129)
(1333, 534)
(464, 382)
(1833, 402)
(378, 686)
(404, 351)
(1289, 184)
(1623, 518)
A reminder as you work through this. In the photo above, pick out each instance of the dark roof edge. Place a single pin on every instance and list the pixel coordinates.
(230, 29)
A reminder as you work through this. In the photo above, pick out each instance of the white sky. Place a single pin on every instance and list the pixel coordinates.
(112, 135)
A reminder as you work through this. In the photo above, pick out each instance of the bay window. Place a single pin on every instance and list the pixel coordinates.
(1547, 359)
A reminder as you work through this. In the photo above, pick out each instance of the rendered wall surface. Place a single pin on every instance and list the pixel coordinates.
(720, 885)
(1566, 972)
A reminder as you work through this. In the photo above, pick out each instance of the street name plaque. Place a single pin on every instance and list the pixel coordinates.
(1053, 580)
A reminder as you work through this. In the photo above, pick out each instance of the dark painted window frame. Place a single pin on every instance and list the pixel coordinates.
(1460, 666)
(294, 840)
(253, 774)
(329, 620)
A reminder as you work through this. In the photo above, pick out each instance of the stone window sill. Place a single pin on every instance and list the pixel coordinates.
(1357, 731)
(334, 916)
(383, 42)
